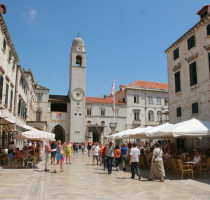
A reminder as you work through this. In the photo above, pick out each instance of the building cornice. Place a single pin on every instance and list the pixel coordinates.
(188, 33)
(6, 33)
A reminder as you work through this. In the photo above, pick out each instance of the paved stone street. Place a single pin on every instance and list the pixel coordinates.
(81, 181)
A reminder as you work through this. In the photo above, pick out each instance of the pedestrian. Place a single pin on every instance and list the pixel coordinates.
(157, 167)
(74, 147)
(59, 156)
(48, 151)
(109, 156)
(104, 157)
(89, 147)
(117, 156)
(124, 154)
(68, 151)
(53, 152)
(134, 161)
(95, 150)
(77, 147)
(83, 147)
(101, 154)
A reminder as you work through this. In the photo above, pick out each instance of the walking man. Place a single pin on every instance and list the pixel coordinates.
(134, 161)
(95, 150)
(48, 151)
(109, 156)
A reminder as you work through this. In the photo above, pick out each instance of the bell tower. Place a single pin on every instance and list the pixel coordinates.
(77, 89)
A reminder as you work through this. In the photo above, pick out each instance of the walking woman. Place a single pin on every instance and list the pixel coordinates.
(68, 152)
(117, 155)
(59, 156)
(157, 167)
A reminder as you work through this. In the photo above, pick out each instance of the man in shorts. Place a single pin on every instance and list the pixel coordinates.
(95, 150)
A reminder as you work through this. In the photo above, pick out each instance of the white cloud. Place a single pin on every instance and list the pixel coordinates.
(32, 14)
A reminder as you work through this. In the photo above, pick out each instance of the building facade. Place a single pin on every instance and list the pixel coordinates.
(189, 76)
(189, 72)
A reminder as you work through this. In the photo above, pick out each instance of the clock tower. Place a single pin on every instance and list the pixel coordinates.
(77, 87)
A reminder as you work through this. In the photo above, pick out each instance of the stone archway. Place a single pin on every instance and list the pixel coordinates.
(59, 133)
(96, 131)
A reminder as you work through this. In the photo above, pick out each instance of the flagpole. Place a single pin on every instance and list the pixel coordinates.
(114, 104)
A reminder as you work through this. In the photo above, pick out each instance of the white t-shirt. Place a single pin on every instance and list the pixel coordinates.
(135, 153)
(96, 150)
(197, 159)
(158, 154)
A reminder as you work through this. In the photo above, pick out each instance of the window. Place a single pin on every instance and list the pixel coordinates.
(116, 112)
(11, 98)
(7, 93)
(159, 116)
(136, 115)
(176, 53)
(58, 107)
(38, 115)
(10, 55)
(1, 86)
(136, 99)
(13, 65)
(19, 106)
(208, 29)
(78, 61)
(195, 108)
(102, 112)
(150, 99)
(39, 97)
(191, 42)
(166, 101)
(179, 112)
(204, 13)
(209, 62)
(89, 111)
(167, 117)
(4, 44)
(158, 99)
(123, 100)
(193, 74)
(151, 116)
(177, 82)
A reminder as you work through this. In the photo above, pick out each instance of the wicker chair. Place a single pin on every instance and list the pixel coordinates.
(205, 167)
(184, 169)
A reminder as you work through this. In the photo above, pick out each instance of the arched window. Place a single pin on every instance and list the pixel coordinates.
(151, 116)
(78, 61)
(38, 115)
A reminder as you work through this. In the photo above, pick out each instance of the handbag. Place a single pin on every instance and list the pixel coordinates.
(62, 152)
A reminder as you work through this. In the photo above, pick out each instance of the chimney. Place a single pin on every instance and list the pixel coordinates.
(3, 9)
(205, 10)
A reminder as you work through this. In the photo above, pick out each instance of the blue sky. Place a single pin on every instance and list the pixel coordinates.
(123, 38)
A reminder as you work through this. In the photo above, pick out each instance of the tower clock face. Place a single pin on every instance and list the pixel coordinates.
(78, 94)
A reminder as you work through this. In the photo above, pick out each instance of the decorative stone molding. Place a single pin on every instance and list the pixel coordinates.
(2, 70)
(206, 47)
(177, 67)
(7, 78)
(191, 58)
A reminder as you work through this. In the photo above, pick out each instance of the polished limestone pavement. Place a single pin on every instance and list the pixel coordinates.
(82, 181)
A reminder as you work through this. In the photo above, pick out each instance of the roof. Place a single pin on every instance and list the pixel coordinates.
(58, 98)
(202, 9)
(102, 100)
(149, 85)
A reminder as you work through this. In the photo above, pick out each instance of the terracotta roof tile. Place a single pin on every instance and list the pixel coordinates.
(148, 84)
(102, 100)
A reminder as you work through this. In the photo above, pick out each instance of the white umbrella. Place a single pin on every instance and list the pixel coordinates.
(137, 133)
(192, 128)
(154, 132)
(120, 134)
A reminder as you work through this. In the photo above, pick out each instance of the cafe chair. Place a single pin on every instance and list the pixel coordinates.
(205, 167)
(32, 162)
(184, 169)
(168, 164)
(174, 167)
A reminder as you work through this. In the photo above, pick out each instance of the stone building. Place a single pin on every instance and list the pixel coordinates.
(73, 116)
(189, 73)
